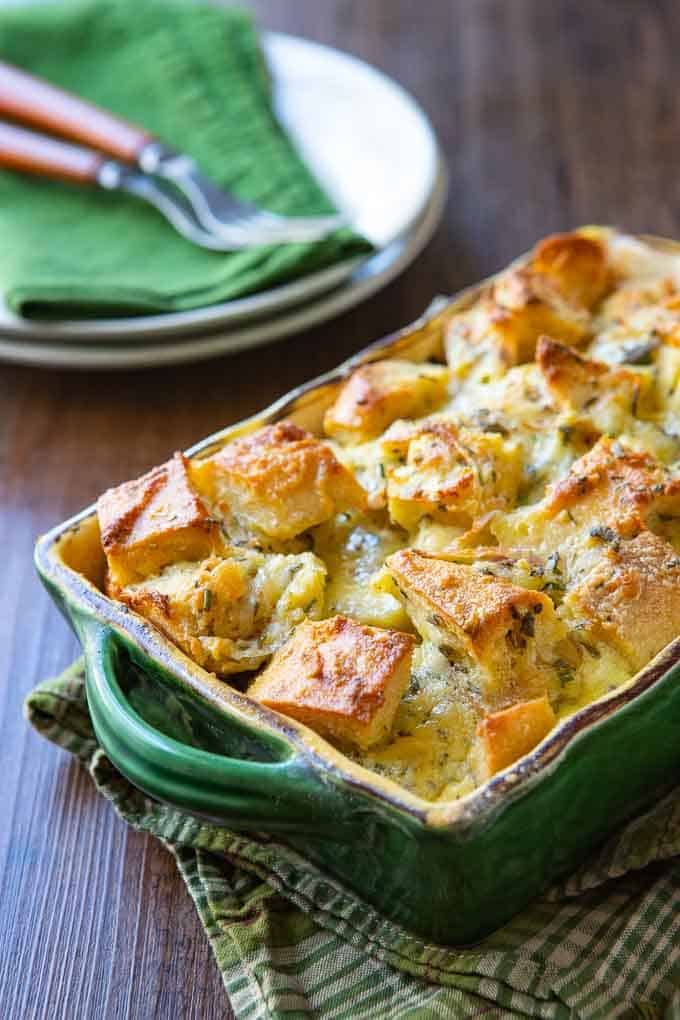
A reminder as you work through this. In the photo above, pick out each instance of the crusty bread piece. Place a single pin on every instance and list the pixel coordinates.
(553, 292)
(612, 487)
(612, 398)
(631, 597)
(152, 521)
(508, 632)
(612, 483)
(280, 480)
(377, 394)
(230, 612)
(449, 472)
(503, 737)
(576, 265)
(339, 677)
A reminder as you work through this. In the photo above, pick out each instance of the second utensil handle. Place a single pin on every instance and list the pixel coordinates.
(37, 154)
(34, 101)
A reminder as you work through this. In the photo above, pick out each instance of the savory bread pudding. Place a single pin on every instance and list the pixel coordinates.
(473, 549)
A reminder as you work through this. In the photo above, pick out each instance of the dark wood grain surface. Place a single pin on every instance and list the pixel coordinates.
(550, 114)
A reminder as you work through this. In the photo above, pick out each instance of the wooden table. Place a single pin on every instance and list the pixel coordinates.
(550, 114)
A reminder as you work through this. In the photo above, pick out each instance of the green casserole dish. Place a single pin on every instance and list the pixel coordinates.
(451, 872)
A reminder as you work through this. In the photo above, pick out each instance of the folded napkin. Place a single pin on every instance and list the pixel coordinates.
(293, 942)
(195, 76)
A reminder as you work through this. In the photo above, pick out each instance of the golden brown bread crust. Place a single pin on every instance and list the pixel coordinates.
(611, 483)
(377, 394)
(450, 472)
(230, 612)
(505, 736)
(340, 677)
(280, 480)
(631, 597)
(574, 380)
(552, 292)
(489, 619)
(154, 520)
(576, 265)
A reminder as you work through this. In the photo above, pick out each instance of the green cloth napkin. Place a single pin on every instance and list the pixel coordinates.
(292, 942)
(195, 76)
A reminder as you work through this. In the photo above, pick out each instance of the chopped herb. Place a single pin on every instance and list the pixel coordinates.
(639, 354)
(382, 469)
(552, 563)
(494, 427)
(527, 626)
(603, 532)
(591, 649)
(309, 605)
(567, 432)
(565, 672)
(207, 599)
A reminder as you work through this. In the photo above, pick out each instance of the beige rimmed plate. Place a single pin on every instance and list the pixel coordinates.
(376, 155)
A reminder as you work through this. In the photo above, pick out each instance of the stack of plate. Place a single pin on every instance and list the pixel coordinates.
(375, 153)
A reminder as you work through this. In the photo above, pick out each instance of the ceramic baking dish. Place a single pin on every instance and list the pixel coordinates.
(452, 872)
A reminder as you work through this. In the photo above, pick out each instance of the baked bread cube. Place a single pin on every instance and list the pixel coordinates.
(615, 484)
(230, 613)
(612, 398)
(153, 521)
(507, 632)
(611, 488)
(377, 394)
(505, 736)
(280, 481)
(576, 265)
(631, 597)
(449, 472)
(341, 678)
(553, 292)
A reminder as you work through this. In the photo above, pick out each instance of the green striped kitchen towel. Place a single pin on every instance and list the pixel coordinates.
(195, 76)
(292, 942)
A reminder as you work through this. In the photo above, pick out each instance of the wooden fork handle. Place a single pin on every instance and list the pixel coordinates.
(33, 101)
(38, 154)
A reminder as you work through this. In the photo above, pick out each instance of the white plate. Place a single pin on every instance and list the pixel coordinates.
(369, 144)
(374, 274)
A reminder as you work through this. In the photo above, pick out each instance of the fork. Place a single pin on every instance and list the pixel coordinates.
(141, 165)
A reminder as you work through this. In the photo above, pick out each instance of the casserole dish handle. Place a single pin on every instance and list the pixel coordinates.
(274, 789)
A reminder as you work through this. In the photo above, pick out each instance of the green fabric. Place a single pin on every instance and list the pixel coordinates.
(291, 942)
(193, 75)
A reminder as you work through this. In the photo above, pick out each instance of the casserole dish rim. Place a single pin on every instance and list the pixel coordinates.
(479, 806)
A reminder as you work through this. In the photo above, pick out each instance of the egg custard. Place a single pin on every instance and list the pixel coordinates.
(471, 550)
